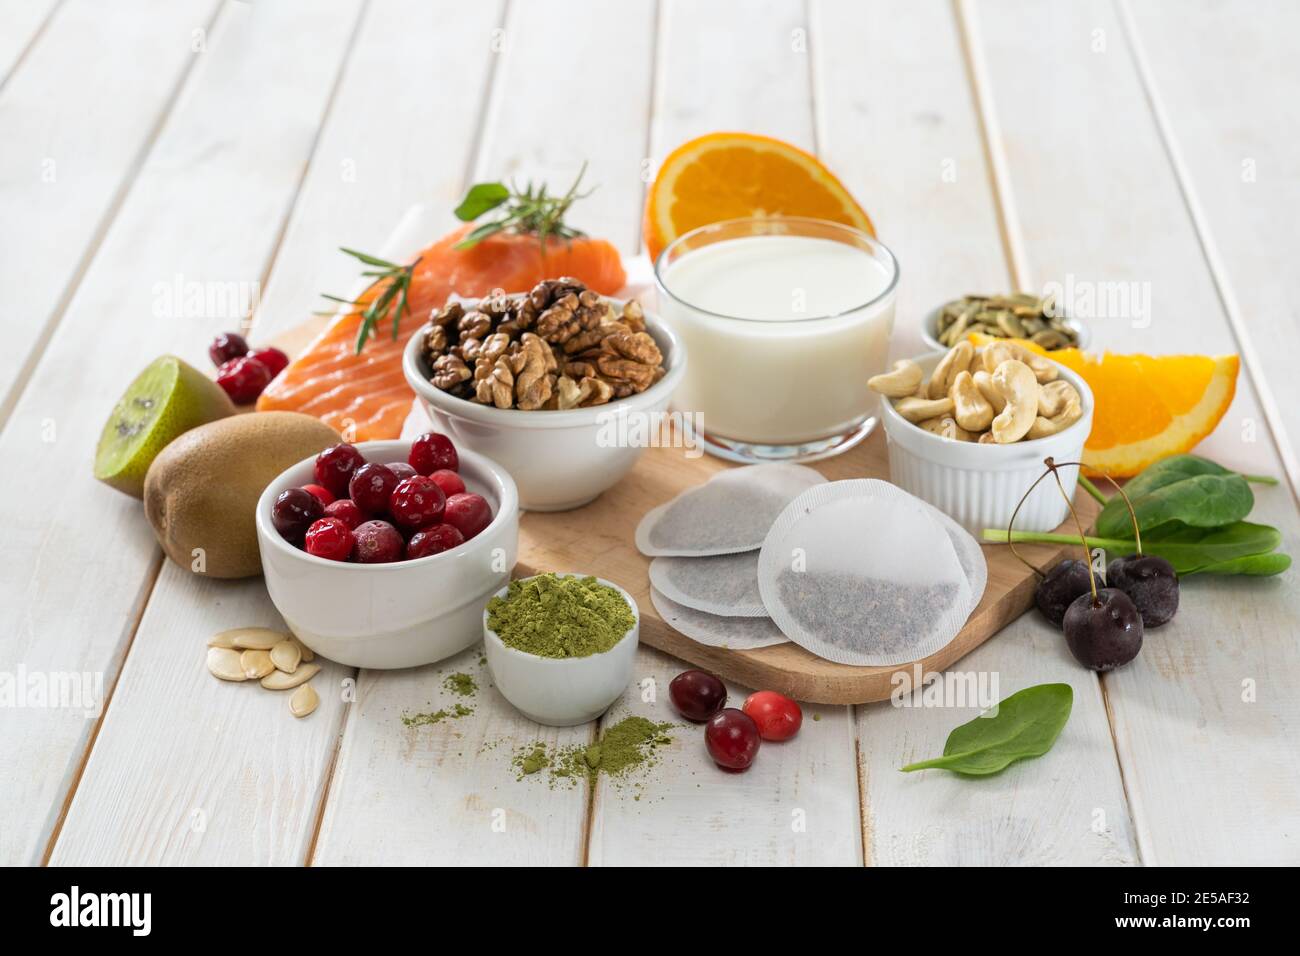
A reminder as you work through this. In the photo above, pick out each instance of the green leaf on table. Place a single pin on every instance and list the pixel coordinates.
(1195, 550)
(1185, 488)
(1251, 565)
(481, 198)
(1026, 724)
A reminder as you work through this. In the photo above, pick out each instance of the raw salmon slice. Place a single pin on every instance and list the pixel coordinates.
(365, 396)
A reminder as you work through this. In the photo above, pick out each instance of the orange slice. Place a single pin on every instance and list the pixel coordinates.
(1148, 407)
(736, 175)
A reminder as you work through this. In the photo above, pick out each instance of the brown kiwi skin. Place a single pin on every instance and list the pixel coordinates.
(201, 491)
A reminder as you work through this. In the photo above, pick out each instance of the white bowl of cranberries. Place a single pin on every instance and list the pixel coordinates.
(383, 554)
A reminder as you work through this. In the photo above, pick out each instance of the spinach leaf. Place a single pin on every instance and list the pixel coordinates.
(1184, 488)
(1192, 550)
(1026, 724)
(481, 198)
(1253, 565)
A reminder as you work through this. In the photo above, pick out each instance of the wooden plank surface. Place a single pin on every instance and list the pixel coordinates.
(1205, 707)
(236, 169)
(24, 22)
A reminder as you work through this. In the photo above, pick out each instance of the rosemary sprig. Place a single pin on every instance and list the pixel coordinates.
(391, 301)
(530, 210)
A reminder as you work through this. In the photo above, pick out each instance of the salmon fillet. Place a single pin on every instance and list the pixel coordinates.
(366, 396)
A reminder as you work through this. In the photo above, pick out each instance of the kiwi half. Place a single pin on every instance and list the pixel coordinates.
(167, 398)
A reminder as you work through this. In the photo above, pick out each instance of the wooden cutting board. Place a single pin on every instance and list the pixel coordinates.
(598, 539)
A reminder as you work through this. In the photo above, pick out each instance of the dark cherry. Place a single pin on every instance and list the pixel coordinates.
(431, 452)
(1060, 586)
(1105, 632)
(331, 539)
(243, 379)
(401, 469)
(470, 513)
(377, 542)
(371, 486)
(227, 346)
(416, 503)
(435, 540)
(732, 739)
(294, 511)
(1152, 584)
(334, 468)
(697, 695)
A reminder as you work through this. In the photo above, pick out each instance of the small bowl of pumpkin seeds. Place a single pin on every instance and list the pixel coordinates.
(1014, 315)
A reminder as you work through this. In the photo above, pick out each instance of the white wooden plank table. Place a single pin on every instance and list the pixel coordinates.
(230, 142)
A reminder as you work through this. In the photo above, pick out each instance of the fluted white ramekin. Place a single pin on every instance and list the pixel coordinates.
(977, 485)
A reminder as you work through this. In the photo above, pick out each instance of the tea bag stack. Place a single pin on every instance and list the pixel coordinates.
(857, 572)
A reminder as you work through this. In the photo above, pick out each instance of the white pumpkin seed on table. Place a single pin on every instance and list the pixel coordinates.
(279, 661)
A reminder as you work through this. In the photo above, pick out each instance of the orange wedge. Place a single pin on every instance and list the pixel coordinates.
(736, 175)
(1148, 407)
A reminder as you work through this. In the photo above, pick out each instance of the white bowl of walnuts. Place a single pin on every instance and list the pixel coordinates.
(553, 384)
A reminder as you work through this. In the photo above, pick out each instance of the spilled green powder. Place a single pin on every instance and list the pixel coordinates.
(460, 683)
(553, 616)
(631, 744)
(437, 717)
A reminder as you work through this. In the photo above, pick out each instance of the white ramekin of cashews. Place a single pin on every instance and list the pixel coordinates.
(968, 429)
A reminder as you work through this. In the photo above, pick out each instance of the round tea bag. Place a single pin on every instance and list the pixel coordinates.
(729, 513)
(733, 633)
(726, 584)
(969, 554)
(862, 573)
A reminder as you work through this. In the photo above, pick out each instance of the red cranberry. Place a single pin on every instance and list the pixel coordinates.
(432, 452)
(416, 503)
(243, 379)
(401, 469)
(371, 486)
(449, 482)
(732, 739)
(777, 716)
(346, 510)
(334, 468)
(697, 695)
(470, 513)
(329, 538)
(377, 542)
(435, 540)
(273, 359)
(320, 492)
(227, 346)
(294, 512)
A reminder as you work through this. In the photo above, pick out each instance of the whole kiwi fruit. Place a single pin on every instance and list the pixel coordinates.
(201, 492)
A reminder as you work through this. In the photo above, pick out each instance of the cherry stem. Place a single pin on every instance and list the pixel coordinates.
(1011, 543)
(1137, 531)
(1083, 537)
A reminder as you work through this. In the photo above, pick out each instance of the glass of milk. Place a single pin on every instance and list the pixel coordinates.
(784, 320)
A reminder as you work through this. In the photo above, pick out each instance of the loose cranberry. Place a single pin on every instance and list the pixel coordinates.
(273, 359)
(330, 538)
(697, 695)
(243, 379)
(321, 492)
(371, 486)
(401, 469)
(432, 452)
(470, 513)
(435, 540)
(777, 716)
(416, 503)
(732, 739)
(346, 510)
(449, 482)
(294, 512)
(334, 468)
(227, 346)
(377, 542)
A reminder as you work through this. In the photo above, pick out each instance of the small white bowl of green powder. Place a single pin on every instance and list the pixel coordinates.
(560, 647)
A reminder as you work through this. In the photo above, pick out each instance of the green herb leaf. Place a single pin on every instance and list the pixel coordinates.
(481, 198)
(1026, 724)
(396, 280)
(1252, 565)
(1184, 488)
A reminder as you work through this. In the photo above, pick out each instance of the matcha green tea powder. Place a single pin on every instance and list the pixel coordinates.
(553, 616)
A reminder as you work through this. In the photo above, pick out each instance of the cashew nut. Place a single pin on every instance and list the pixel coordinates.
(984, 382)
(903, 381)
(1016, 383)
(1054, 396)
(957, 360)
(1044, 369)
(987, 439)
(945, 427)
(917, 410)
(972, 411)
(1070, 412)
